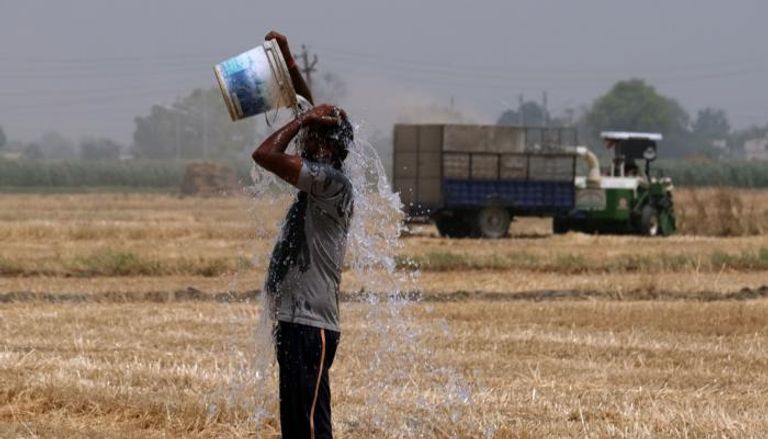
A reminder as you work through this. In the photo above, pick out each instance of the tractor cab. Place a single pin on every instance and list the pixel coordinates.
(628, 148)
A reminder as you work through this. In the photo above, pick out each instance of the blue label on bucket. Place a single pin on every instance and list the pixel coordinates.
(233, 65)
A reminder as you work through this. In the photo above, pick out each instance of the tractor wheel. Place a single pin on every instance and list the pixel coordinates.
(493, 222)
(666, 223)
(649, 221)
(560, 225)
(453, 227)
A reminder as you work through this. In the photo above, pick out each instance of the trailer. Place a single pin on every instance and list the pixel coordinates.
(472, 180)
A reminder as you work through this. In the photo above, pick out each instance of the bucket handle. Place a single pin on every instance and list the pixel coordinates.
(274, 58)
(271, 60)
(274, 119)
(277, 73)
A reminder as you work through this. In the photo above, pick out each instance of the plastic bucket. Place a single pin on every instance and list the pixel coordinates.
(256, 81)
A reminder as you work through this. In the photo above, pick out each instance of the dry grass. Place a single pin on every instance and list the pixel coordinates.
(473, 370)
(157, 235)
(623, 285)
(722, 211)
(568, 263)
(595, 368)
(108, 243)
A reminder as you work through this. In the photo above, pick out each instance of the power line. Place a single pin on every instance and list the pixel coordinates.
(104, 60)
(482, 72)
(185, 65)
(743, 62)
(186, 61)
(113, 100)
(92, 91)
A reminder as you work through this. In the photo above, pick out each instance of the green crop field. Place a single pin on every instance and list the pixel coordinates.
(19, 175)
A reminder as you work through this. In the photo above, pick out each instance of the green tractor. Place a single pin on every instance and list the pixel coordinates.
(628, 200)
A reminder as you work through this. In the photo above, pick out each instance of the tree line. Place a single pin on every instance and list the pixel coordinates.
(197, 126)
(634, 105)
(167, 175)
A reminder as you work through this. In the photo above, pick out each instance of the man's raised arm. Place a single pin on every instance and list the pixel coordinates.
(271, 155)
(299, 85)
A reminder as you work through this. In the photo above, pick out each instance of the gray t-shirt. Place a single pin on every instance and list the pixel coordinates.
(305, 268)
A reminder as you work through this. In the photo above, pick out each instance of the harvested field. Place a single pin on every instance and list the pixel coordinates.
(129, 315)
(156, 236)
(477, 370)
(722, 211)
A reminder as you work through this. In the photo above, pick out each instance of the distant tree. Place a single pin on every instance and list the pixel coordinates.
(55, 146)
(15, 146)
(633, 105)
(99, 149)
(33, 151)
(155, 135)
(737, 138)
(3, 139)
(711, 124)
(509, 117)
(197, 125)
(529, 114)
(710, 132)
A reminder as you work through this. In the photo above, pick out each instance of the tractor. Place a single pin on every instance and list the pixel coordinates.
(628, 200)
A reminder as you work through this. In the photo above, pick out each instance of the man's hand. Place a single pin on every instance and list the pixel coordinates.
(282, 42)
(323, 114)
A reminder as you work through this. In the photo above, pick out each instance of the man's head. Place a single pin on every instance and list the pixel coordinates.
(328, 143)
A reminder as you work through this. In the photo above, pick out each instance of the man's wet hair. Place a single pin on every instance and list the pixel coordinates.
(338, 137)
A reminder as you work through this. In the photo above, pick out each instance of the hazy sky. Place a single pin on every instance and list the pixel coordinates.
(87, 67)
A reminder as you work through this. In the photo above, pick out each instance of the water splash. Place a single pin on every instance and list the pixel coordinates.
(387, 293)
(395, 342)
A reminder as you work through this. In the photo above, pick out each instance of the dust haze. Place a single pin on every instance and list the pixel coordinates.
(87, 68)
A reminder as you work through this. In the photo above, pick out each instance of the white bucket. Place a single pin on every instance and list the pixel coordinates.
(256, 81)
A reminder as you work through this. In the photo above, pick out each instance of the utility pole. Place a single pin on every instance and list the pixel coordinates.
(520, 114)
(309, 67)
(545, 114)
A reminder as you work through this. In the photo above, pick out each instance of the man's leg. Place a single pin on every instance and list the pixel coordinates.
(305, 354)
(293, 421)
(321, 415)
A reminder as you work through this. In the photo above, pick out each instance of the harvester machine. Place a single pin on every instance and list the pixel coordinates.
(626, 200)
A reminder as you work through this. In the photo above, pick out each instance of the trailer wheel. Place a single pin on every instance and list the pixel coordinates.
(493, 222)
(649, 221)
(560, 225)
(453, 227)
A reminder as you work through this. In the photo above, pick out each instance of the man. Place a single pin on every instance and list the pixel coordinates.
(305, 269)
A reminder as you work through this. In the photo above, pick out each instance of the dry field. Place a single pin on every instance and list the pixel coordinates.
(556, 369)
(144, 243)
(611, 336)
